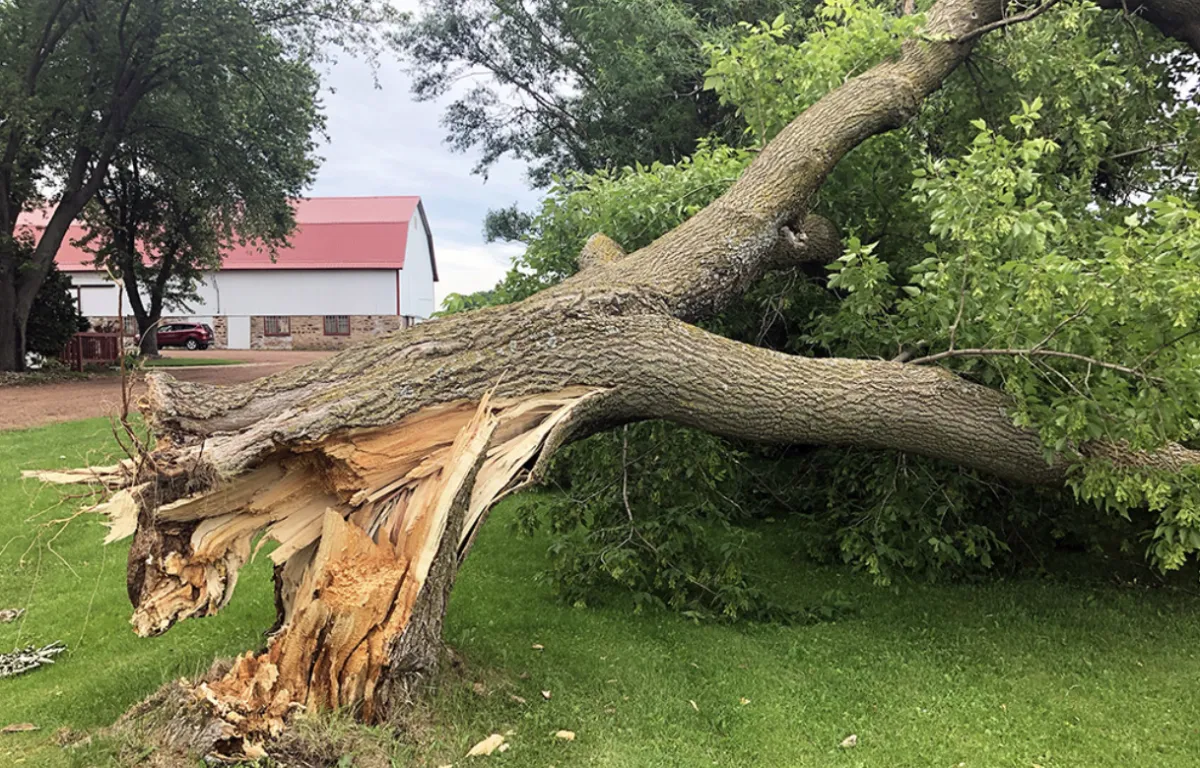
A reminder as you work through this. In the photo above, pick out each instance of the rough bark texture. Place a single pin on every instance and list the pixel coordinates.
(373, 469)
(12, 343)
(1179, 19)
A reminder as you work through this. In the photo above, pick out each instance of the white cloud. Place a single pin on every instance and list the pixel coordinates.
(470, 267)
(382, 142)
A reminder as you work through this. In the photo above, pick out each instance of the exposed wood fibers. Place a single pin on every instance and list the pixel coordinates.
(357, 519)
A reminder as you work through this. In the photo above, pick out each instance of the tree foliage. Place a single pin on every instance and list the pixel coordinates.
(571, 85)
(1034, 228)
(75, 76)
(210, 163)
(55, 317)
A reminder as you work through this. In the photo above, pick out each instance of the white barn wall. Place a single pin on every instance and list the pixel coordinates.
(299, 292)
(270, 292)
(416, 279)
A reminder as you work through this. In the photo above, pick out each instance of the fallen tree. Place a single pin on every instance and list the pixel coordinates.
(374, 469)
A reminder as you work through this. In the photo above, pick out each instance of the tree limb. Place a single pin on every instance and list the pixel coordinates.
(1030, 352)
(1179, 19)
(1008, 21)
(383, 459)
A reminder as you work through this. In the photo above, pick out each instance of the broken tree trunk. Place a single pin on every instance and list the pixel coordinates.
(372, 470)
(370, 526)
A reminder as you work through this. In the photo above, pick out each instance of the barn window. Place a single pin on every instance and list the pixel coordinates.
(337, 325)
(276, 325)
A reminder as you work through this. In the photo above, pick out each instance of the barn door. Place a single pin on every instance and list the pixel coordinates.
(239, 332)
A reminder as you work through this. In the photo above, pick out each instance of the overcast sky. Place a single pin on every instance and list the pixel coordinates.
(383, 142)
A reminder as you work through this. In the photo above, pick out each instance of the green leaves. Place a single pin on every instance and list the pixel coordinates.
(1028, 116)
(1023, 263)
(577, 86)
(775, 71)
(1043, 200)
(217, 154)
(674, 545)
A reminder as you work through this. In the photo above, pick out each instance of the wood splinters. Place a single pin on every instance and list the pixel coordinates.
(354, 586)
(112, 476)
(359, 520)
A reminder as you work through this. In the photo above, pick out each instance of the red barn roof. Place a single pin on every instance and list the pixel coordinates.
(331, 233)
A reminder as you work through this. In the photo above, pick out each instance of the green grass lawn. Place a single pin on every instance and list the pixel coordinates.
(1008, 674)
(187, 362)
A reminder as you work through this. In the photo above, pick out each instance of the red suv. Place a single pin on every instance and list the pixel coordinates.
(190, 335)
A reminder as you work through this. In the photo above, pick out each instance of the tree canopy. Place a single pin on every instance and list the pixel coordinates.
(574, 85)
(1033, 229)
(212, 162)
(74, 75)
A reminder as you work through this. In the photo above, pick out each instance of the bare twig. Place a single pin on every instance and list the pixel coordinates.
(1027, 16)
(1031, 352)
(962, 301)
(1164, 345)
(625, 471)
(1143, 150)
(1137, 35)
(1060, 326)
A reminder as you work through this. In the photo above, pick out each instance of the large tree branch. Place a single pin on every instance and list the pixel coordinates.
(1179, 19)
(373, 468)
(681, 373)
(690, 272)
(698, 267)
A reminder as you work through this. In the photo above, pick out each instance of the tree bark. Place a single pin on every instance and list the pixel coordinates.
(148, 333)
(1179, 19)
(12, 342)
(29, 279)
(147, 320)
(373, 469)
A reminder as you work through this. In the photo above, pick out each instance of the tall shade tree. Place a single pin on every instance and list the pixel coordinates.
(573, 84)
(74, 73)
(1034, 327)
(213, 162)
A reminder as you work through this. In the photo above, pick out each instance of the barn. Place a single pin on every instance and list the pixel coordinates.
(357, 267)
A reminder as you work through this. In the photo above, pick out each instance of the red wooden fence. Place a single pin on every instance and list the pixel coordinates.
(84, 348)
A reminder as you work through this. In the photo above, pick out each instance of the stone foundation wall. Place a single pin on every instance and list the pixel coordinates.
(260, 340)
(220, 328)
(306, 331)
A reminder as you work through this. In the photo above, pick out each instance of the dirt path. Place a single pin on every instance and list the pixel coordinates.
(34, 405)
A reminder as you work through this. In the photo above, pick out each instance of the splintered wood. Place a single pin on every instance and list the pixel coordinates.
(358, 519)
(121, 508)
